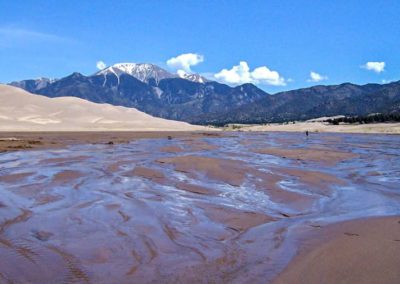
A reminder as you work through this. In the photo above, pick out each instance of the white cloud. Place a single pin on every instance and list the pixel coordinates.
(263, 75)
(316, 77)
(377, 67)
(184, 62)
(240, 74)
(208, 75)
(100, 65)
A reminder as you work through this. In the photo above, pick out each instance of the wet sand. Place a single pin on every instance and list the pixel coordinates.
(15, 141)
(362, 251)
(199, 207)
(315, 155)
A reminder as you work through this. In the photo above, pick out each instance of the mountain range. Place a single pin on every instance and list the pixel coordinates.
(318, 101)
(195, 99)
(149, 88)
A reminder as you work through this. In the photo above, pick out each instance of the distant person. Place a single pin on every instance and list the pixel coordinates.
(306, 132)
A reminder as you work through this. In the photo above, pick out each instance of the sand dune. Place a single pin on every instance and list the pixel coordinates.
(22, 111)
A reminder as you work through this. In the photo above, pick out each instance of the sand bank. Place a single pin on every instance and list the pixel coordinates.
(362, 251)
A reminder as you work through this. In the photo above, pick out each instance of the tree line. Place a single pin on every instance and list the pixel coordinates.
(371, 118)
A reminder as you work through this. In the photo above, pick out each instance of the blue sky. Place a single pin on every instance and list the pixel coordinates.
(277, 42)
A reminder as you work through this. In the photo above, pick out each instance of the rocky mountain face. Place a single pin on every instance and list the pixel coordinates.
(193, 77)
(33, 85)
(192, 98)
(152, 89)
(317, 101)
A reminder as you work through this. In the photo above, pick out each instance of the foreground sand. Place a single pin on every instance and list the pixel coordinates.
(378, 128)
(363, 251)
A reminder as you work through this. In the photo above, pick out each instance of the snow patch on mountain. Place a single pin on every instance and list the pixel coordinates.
(146, 72)
(191, 77)
(158, 91)
(141, 71)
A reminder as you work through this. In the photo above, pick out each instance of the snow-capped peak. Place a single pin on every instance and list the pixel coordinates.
(145, 72)
(141, 71)
(192, 77)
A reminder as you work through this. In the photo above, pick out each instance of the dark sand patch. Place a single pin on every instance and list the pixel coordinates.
(329, 157)
(147, 173)
(160, 178)
(42, 235)
(195, 188)
(67, 176)
(235, 219)
(76, 273)
(14, 144)
(199, 145)
(22, 217)
(235, 172)
(117, 166)
(14, 178)
(318, 182)
(45, 140)
(171, 149)
(269, 183)
(44, 199)
(232, 172)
